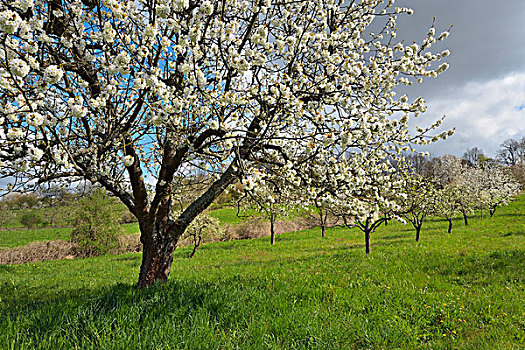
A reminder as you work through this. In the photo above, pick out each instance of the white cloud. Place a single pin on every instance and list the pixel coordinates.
(484, 114)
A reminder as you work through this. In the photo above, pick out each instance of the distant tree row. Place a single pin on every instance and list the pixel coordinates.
(511, 154)
(408, 190)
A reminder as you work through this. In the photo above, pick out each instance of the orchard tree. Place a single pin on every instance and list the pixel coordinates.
(459, 178)
(203, 228)
(315, 191)
(269, 195)
(363, 190)
(131, 93)
(446, 204)
(419, 201)
(496, 187)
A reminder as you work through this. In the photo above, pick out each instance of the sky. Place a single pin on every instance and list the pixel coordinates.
(482, 94)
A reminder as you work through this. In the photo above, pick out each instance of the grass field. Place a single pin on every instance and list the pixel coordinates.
(460, 291)
(19, 237)
(229, 215)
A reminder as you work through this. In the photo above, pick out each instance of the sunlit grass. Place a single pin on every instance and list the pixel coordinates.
(465, 290)
(19, 237)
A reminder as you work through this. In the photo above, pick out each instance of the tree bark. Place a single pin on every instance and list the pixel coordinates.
(465, 218)
(418, 231)
(492, 211)
(449, 225)
(157, 254)
(323, 229)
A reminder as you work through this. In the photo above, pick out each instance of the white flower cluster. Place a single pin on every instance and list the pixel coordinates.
(19, 67)
(35, 119)
(10, 21)
(53, 74)
(467, 187)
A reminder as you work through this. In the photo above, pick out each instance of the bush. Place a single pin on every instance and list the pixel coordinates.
(95, 225)
(31, 219)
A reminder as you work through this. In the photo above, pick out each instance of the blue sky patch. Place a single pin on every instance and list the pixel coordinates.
(521, 107)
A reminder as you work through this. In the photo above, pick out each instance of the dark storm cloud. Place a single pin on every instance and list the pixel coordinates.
(487, 39)
(482, 93)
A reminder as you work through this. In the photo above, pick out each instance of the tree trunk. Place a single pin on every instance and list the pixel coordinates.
(449, 225)
(367, 241)
(158, 232)
(481, 214)
(418, 230)
(465, 218)
(323, 218)
(272, 229)
(492, 211)
(157, 255)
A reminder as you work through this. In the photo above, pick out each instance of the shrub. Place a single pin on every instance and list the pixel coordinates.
(95, 225)
(30, 219)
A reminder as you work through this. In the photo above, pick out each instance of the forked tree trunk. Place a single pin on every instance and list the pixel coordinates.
(492, 211)
(197, 243)
(449, 225)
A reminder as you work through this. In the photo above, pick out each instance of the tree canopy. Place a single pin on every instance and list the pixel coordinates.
(135, 94)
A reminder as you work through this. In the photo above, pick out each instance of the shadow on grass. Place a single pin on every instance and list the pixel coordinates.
(513, 233)
(181, 311)
(398, 236)
(480, 268)
(506, 215)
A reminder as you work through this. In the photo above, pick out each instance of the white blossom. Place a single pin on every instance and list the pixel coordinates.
(53, 74)
(19, 67)
(128, 160)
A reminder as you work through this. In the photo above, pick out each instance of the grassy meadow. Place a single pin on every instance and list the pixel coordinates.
(465, 290)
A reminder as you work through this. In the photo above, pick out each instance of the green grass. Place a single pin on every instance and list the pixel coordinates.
(229, 215)
(460, 291)
(20, 237)
(130, 229)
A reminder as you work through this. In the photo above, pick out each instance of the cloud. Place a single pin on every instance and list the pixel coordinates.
(484, 114)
